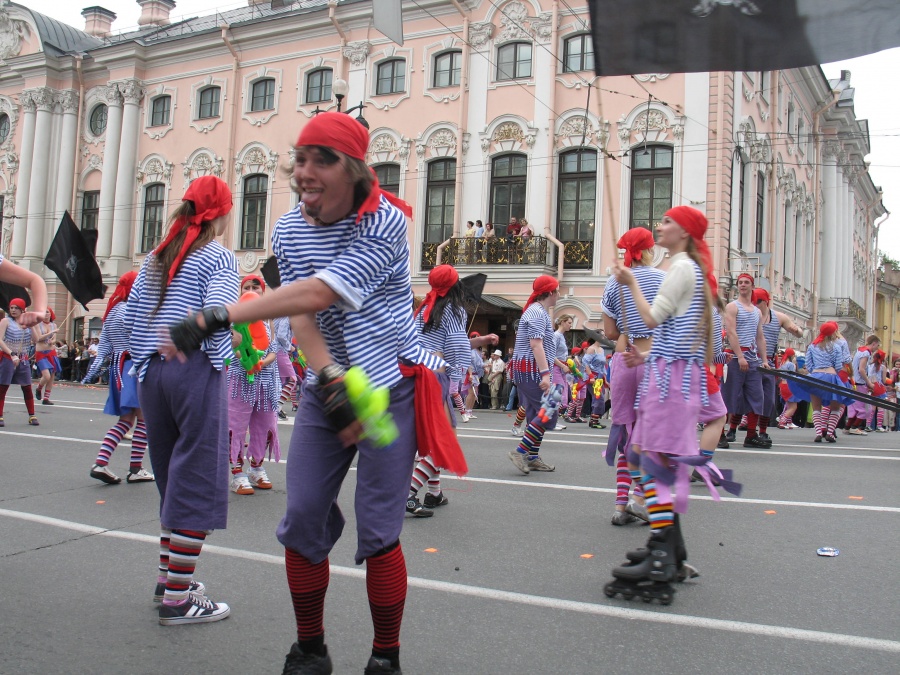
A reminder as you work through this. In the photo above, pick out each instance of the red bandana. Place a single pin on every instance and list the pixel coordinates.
(212, 199)
(788, 353)
(635, 241)
(254, 276)
(123, 288)
(543, 284)
(694, 223)
(760, 294)
(826, 329)
(52, 314)
(442, 278)
(17, 302)
(341, 132)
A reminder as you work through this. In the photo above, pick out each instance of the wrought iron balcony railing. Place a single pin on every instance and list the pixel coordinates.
(847, 307)
(536, 251)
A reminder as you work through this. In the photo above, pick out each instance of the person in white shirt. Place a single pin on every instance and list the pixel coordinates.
(495, 377)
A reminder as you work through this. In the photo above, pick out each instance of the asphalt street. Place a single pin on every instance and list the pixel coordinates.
(507, 578)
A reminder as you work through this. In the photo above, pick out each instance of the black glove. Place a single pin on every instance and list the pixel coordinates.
(338, 408)
(187, 335)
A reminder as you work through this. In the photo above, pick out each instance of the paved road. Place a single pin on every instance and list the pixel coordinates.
(506, 579)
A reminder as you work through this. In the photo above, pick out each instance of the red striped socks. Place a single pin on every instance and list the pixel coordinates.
(386, 586)
(308, 584)
(138, 445)
(520, 416)
(111, 441)
(623, 480)
(424, 472)
(184, 549)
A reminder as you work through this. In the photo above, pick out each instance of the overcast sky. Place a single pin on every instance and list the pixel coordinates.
(873, 76)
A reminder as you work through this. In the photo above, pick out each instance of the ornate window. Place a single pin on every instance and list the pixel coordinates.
(318, 85)
(90, 210)
(263, 95)
(578, 54)
(98, 119)
(4, 127)
(160, 110)
(389, 177)
(440, 196)
(576, 203)
(760, 210)
(391, 77)
(651, 184)
(741, 210)
(508, 181)
(253, 212)
(154, 215)
(790, 235)
(209, 103)
(447, 69)
(514, 61)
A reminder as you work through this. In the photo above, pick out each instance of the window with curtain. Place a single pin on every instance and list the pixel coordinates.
(160, 109)
(447, 69)
(509, 174)
(209, 102)
(253, 212)
(578, 53)
(440, 200)
(154, 216)
(577, 194)
(390, 77)
(514, 61)
(651, 184)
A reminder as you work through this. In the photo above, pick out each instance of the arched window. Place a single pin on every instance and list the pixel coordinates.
(209, 102)
(391, 77)
(4, 127)
(514, 61)
(651, 184)
(577, 201)
(440, 196)
(318, 85)
(263, 95)
(447, 69)
(160, 108)
(578, 54)
(389, 177)
(253, 212)
(90, 209)
(509, 175)
(98, 119)
(154, 215)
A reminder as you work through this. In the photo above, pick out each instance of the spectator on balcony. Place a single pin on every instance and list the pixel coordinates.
(470, 242)
(489, 232)
(513, 229)
(525, 230)
(479, 229)
(470, 229)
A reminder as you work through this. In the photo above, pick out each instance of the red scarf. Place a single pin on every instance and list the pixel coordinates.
(635, 242)
(695, 223)
(123, 289)
(442, 278)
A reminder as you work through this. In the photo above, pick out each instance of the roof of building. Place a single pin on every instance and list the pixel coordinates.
(58, 37)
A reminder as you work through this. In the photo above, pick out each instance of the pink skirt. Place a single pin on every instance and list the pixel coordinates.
(669, 426)
(285, 367)
(713, 410)
(623, 387)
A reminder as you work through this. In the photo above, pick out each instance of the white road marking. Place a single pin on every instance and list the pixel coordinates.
(740, 627)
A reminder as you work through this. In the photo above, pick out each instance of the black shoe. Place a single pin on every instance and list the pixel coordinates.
(433, 501)
(281, 415)
(765, 438)
(742, 427)
(723, 443)
(47, 401)
(830, 438)
(298, 662)
(596, 425)
(818, 439)
(414, 507)
(380, 666)
(754, 442)
(731, 436)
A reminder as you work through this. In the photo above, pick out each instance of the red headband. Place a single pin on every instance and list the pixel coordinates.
(760, 294)
(212, 199)
(343, 133)
(261, 281)
(52, 314)
(748, 276)
(695, 223)
(635, 241)
(120, 294)
(474, 334)
(576, 350)
(878, 357)
(789, 352)
(17, 302)
(442, 278)
(543, 284)
(826, 329)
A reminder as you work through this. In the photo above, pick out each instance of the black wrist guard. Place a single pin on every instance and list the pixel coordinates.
(187, 335)
(338, 408)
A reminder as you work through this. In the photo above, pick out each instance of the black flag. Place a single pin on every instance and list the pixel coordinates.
(685, 36)
(71, 258)
(270, 272)
(9, 291)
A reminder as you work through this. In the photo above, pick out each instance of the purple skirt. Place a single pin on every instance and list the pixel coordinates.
(50, 363)
(670, 426)
(623, 387)
(858, 408)
(11, 374)
(263, 427)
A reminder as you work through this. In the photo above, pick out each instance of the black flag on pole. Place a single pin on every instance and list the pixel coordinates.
(9, 291)
(685, 36)
(270, 272)
(71, 258)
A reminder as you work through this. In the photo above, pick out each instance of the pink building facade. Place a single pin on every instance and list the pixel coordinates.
(487, 111)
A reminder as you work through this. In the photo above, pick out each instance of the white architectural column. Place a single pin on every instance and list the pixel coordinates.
(39, 211)
(68, 101)
(827, 273)
(123, 222)
(846, 249)
(473, 190)
(839, 231)
(853, 287)
(110, 164)
(23, 188)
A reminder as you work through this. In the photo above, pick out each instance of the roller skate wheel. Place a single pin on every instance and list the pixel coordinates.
(609, 590)
(665, 599)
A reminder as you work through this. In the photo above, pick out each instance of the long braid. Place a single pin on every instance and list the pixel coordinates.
(705, 327)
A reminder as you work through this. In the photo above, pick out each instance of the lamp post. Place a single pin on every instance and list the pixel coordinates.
(340, 89)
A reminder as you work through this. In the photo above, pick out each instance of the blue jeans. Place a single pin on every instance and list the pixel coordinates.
(512, 398)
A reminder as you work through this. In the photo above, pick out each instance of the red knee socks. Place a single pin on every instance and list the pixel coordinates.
(308, 584)
(386, 586)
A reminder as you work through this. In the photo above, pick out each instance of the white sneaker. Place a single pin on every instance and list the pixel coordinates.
(258, 478)
(791, 425)
(516, 431)
(103, 473)
(197, 609)
(139, 476)
(856, 432)
(241, 485)
(471, 416)
(466, 417)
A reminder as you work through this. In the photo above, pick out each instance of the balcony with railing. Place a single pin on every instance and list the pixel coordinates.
(531, 251)
(847, 307)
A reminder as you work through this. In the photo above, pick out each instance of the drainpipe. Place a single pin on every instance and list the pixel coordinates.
(814, 291)
(461, 124)
(561, 264)
(551, 104)
(337, 26)
(877, 227)
(229, 159)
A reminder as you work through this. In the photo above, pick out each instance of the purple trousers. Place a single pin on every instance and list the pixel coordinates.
(316, 466)
(263, 426)
(743, 392)
(184, 406)
(530, 396)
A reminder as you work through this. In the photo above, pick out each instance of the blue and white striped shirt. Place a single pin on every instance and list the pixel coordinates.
(535, 323)
(283, 334)
(113, 342)
(747, 323)
(649, 280)
(818, 357)
(718, 342)
(771, 331)
(367, 265)
(264, 391)
(449, 339)
(562, 349)
(207, 277)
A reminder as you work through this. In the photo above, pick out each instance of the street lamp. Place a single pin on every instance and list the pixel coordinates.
(340, 89)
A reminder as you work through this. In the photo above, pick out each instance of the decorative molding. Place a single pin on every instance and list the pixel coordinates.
(651, 77)
(204, 126)
(153, 169)
(27, 102)
(255, 158)
(12, 33)
(11, 110)
(575, 128)
(249, 262)
(131, 90)
(436, 142)
(202, 162)
(480, 34)
(357, 52)
(43, 98)
(513, 17)
(543, 26)
(109, 95)
(659, 124)
(508, 133)
(68, 101)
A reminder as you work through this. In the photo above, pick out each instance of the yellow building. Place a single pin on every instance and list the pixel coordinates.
(887, 310)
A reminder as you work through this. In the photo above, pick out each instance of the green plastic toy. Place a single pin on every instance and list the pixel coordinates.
(371, 407)
(247, 354)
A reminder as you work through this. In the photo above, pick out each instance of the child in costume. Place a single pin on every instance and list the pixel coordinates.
(45, 356)
(15, 365)
(283, 349)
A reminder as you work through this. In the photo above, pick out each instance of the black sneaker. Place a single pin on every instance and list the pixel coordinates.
(414, 507)
(596, 425)
(197, 609)
(818, 439)
(380, 666)
(723, 443)
(731, 436)
(765, 438)
(298, 662)
(47, 401)
(830, 438)
(433, 501)
(755, 442)
(281, 415)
